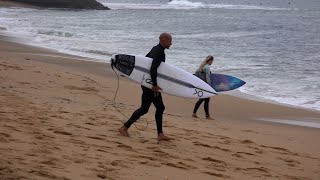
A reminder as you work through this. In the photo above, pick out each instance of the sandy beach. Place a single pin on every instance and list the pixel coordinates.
(58, 121)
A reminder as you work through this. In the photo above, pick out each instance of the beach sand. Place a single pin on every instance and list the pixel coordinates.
(58, 121)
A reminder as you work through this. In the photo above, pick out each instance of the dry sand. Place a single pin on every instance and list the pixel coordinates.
(57, 121)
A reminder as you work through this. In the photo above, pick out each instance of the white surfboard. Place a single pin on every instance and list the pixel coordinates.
(172, 80)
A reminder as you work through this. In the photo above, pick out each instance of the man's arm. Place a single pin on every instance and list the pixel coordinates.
(157, 56)
(154, 70)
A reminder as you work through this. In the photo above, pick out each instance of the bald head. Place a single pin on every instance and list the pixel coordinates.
(164, 35)
(165, 39)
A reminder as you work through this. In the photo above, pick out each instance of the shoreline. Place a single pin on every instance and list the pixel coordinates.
(236, 93)
(58, 121)
(69, 60)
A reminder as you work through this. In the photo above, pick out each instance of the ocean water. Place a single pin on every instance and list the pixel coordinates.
(272, 45)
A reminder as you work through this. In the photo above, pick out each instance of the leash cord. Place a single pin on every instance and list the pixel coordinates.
(114, 102)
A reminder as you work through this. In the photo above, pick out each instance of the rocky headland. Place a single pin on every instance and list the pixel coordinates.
(70, 4)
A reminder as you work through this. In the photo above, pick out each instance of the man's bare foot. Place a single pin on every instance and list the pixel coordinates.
(162, 137)
(124, 131)
(209, 117)
(194, 115)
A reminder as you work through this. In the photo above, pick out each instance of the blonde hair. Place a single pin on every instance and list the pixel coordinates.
(204, 62)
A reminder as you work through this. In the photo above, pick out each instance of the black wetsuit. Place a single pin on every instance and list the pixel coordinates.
(148, 96)
(206, 106)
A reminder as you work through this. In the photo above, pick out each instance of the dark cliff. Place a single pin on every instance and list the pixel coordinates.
(72, 4)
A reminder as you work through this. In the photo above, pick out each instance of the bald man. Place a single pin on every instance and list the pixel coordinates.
(152, 95)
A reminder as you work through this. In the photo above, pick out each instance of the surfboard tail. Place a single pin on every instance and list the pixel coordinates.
(123, 63)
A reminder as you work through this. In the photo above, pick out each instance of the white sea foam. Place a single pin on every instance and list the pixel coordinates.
(305, 123)
(184, 4)
(55, 33)
(224, 34)
(309, 102)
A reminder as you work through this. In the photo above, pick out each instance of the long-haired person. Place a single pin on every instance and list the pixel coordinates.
(204, 68)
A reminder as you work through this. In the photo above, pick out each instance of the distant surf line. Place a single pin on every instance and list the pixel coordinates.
(183, 5)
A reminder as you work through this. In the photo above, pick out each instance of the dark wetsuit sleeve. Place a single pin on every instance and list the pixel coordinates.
(154, 70)
(158, 56)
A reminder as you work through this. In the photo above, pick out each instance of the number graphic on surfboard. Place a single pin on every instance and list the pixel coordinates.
(149, 81)
(199, 93)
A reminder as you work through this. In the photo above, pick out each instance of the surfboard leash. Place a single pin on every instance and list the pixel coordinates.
(114, 101)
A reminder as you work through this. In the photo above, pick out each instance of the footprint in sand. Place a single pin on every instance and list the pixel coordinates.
(119, 163)
(62, 133)
(64, 100)
(246, 153)
(63, 112)
(4, 136)
(143, 141)
(46, 175)
(216, 164)
(215, 161)
(123, 146)
(97, 138)
(260, 151)
(149, 163)
(102, 176)
(24, 83)
(148, 158)
(91, 124)
(79, 161)
(295, 177)
(88, 89)
(57, 75)
(222, 149)
(216, 174)
(153, 147)
(173, 115)
(281, 150)
(107, 171)
(78, 126)
(290, 162)
(51, 161)
(247, 142)
(257, 150)
(256, 170)
(162, 154)
(189, 160)
(225, 142)
(8, 67)
(237, 155)
(197, 143)
(250, 131)
(104, 151)
(179, 165)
